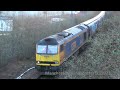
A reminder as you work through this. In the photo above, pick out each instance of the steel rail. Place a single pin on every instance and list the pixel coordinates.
(20, 77)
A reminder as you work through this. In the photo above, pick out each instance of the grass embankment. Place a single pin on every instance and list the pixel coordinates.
(101, 58)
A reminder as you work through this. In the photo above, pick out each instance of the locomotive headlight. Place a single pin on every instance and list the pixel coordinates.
(38, 62)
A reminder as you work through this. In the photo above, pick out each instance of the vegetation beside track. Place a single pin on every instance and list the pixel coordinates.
(100, 59)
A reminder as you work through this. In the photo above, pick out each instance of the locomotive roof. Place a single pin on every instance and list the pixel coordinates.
(59, 37)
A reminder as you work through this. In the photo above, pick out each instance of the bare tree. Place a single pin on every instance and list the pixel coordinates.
(13, 13)
(45, 14)
(62, 13)
(72, 14)
(21, 13)
(0, 12)
(4, 13)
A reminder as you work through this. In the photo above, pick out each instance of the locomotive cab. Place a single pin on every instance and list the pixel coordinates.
(47, 53)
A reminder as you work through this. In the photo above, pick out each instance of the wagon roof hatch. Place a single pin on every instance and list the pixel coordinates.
(73, 30)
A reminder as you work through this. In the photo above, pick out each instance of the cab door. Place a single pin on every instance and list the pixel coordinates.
(85, 36)
(62, 53)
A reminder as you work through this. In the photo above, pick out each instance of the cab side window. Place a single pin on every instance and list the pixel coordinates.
(84, 36)
(61, 48)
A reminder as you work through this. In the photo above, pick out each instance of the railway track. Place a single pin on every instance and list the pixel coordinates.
(32, 73)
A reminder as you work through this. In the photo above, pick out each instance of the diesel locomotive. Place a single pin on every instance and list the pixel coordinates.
(52, 51)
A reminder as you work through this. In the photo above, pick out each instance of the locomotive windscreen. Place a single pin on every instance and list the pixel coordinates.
(47, 49)
(47, 46)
